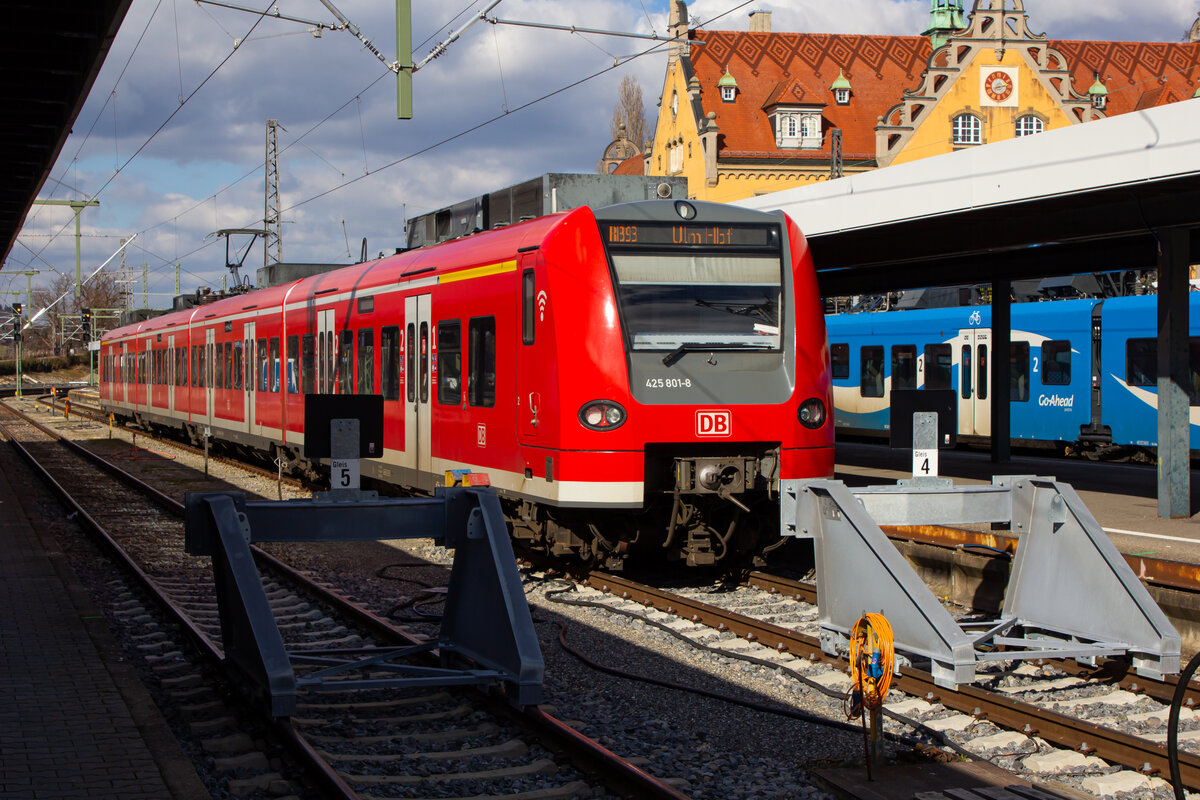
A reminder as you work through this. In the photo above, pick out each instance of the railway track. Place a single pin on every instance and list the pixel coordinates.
(1063, 716)
(393, 744)
(1088, 714)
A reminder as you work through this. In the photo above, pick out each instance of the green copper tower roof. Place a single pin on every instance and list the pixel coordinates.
(945, 17)
(727, 79)
(841, 83)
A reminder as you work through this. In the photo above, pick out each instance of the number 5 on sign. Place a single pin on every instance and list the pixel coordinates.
(925, 463)
(343, 473)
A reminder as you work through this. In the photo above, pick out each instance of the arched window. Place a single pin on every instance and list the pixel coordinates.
(968, 129)
(789, 127)
(810, 126)
(1029, 124)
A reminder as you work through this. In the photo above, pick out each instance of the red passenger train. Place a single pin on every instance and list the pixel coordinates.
(637, 378)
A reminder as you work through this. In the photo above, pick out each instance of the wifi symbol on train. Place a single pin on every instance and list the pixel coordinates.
(541, 303)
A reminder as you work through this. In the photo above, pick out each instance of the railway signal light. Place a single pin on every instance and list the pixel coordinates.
(17, 309)
(87, 323)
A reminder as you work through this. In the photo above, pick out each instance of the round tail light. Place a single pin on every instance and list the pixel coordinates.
(811, 413)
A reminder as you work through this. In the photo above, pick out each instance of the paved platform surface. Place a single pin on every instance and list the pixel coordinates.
(1122, 497)
(74, 721)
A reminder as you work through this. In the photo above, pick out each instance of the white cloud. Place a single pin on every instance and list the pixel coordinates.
(188, 181)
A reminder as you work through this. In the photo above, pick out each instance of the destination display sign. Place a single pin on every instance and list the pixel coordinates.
(657, 235)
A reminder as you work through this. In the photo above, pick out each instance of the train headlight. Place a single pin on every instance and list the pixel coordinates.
(811, 413)
(602, 415)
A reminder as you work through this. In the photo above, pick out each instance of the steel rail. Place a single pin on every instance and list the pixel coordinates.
(209, 651)
(590, 756)
(1121, 748)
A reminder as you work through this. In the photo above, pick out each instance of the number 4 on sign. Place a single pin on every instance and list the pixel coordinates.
(925, 463)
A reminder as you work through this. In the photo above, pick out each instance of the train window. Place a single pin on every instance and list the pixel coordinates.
(227, 350)
(840, 354)
(366, 305)
(871, 373)
(982, 371)
(195, 357)
(684, 298)
(321, 360)
(389, 362)
(202, 364)
(1141, 362)
(424, 362)
(1018, 372)
(1056, 363)
(260, 366)
(308, 363)
(366, 361)
(449, 362)
(345, 366)
(1193, 386)
(481, 362)
(411, 350)
(249, 364)
(965, 369)
(219, 366)
(327, 380)
(274, 364)
(528, 306)
(238, 366)
(1141, 365)
(293, 364)
(937, 366)
(904, 366)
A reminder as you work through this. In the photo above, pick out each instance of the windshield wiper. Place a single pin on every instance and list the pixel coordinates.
(697, 347)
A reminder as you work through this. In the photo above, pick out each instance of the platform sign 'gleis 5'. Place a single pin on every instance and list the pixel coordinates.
(712, 424)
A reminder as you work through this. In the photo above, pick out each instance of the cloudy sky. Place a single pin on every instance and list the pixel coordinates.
(171, 139)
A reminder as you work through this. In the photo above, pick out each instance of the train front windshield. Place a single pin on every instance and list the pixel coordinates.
(698, 286)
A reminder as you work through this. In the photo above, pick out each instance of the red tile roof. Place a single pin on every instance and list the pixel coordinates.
(800, 67)
(1137, 74)
(634, 165)
(769, 66)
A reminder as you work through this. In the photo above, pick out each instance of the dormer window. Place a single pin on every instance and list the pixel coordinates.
(1098, 93)
(728, 87)
(797, 128)
(841, 89)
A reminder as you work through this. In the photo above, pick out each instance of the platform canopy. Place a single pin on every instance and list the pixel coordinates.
(1087, 198)
(51, 58)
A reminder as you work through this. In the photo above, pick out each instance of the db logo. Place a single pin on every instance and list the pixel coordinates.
(481, 435)
(714, 423)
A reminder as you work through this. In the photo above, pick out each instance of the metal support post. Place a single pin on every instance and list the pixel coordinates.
(1174, 497)
(1001, 354)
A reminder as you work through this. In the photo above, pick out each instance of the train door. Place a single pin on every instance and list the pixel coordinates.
(326, 351)
(209, 334)
(418, 425)
(974, 382)
(170, 378)
(124, 360)
(250, 378)
(529, 398)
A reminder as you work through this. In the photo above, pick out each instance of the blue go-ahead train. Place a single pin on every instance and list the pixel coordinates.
(1082, 375)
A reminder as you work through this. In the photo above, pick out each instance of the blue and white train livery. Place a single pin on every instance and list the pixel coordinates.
(1081, 372)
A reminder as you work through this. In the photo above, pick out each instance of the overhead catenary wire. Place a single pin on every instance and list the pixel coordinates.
(420, 151)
